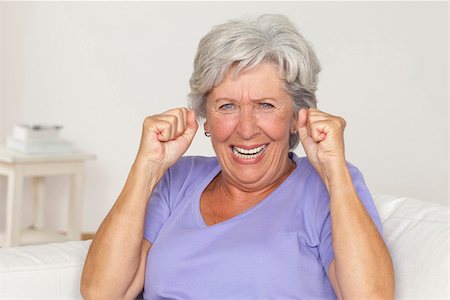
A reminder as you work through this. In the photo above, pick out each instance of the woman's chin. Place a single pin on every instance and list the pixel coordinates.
(251, 176)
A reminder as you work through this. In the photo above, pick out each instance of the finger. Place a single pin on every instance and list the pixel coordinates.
(316, 112)
(181, 115)
(308, 130)
(317, 115)
(321, 123)
(302, 128)
(172, 118)
(319, 130)
(164, 130)
(157, 125)
(313, 117)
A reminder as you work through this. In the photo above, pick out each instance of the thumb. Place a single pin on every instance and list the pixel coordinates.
(302, 126)
(192, 126)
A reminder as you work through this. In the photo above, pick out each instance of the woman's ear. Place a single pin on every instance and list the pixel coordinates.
(206, 126)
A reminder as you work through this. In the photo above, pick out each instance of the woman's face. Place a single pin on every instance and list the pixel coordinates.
(250, 120)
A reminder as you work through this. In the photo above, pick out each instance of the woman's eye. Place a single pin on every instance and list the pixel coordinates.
(266, 105)
(227, 106)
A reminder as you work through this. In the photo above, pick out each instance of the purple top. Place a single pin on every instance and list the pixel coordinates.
(278, 249)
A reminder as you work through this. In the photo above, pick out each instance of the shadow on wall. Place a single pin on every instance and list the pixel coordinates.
(2, 202)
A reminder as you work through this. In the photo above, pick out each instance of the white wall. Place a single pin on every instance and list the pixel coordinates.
(2, 113)
(2, 109)
(100, 68)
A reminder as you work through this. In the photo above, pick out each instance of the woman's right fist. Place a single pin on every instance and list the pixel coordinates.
(167, 136)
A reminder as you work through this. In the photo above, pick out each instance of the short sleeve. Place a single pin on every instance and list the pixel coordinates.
(325, 246)
(158, 209)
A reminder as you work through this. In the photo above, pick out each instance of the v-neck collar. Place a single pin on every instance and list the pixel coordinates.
(216, 170)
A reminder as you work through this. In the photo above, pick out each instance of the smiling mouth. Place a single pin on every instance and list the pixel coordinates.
(249, 153)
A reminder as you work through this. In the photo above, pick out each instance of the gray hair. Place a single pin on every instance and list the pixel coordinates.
(247, 43)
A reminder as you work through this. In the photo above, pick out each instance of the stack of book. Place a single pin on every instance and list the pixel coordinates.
(38, 139)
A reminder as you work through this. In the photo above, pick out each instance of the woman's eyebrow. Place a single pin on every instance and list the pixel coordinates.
(225, 99)
(263, 99)
(252, 100)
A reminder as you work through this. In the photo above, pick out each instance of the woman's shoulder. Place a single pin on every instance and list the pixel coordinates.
(310, 185)
(187, 163)
(307, 170)
(193, 167)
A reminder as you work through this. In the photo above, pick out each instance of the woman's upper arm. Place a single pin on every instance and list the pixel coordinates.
(137, 284)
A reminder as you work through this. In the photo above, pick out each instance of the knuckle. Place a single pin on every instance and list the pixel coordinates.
(170, 125)
(180, 113)
(147, 121)
(183, 112)
(172, 119)
(342, 122)
(176, 112)
(167, 125)
(337, 121)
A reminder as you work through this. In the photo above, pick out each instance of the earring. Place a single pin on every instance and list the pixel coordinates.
(207, 133)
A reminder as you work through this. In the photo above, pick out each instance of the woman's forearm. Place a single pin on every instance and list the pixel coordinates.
(363, 266)
(114, 255)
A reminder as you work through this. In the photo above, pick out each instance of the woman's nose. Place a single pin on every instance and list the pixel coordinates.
(248, 127)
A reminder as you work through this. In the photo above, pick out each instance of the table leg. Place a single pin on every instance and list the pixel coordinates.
(38, 188)
(14, 207)
(75, 200)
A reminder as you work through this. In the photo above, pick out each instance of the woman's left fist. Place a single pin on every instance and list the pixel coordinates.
(322, 137)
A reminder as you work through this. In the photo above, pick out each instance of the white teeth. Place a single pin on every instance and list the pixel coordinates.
(248, 154)
(250, 151)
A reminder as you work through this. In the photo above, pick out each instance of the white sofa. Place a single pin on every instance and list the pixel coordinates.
(416, 232)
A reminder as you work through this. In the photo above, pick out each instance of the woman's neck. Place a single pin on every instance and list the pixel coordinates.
(222, 200)
(235, 196)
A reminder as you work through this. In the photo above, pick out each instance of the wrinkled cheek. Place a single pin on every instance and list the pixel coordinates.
(275, 128)
(223, 127)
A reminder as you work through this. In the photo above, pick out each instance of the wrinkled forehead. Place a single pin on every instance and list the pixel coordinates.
(260, 82)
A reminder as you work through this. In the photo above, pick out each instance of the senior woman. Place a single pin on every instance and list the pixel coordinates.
(257, 221)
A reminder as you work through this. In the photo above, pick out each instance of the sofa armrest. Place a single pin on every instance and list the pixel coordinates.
(49, 271)
(417, 235)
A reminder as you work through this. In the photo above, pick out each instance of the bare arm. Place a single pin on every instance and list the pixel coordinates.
(116, 261)
(137, 284)
(362, 267)
(115, 258)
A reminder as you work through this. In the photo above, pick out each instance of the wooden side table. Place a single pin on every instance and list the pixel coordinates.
(16, 166)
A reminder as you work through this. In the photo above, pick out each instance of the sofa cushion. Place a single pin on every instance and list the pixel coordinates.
(416, 232)
(50, 271)
(417, 235)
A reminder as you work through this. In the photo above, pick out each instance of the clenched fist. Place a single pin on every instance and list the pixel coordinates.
(167, 136)
(322, 137)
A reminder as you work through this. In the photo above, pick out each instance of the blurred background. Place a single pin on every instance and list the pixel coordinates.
(99, 68)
